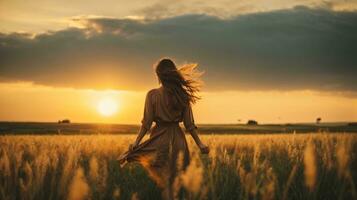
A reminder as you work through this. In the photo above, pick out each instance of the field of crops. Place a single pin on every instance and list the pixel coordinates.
(281, 166)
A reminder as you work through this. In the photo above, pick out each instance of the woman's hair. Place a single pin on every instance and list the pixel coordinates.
(182, 84)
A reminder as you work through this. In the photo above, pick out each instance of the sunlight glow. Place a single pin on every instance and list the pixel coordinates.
(107, 107)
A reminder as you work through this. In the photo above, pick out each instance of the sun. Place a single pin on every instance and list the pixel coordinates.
(107, 107)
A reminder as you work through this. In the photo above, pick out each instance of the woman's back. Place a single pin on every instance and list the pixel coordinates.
(158, 109)
(162, 110)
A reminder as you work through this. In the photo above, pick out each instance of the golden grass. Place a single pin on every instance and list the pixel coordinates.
(282, 166)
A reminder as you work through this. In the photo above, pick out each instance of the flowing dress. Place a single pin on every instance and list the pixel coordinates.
(166, 151)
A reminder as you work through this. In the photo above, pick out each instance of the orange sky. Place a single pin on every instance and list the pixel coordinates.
(27, 102)
(275, 61)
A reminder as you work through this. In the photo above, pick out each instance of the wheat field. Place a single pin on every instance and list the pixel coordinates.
(270, 166)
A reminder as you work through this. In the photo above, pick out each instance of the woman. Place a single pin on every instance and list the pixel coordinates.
(167, 106)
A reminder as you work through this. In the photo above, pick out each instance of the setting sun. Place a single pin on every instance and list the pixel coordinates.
(107, 107)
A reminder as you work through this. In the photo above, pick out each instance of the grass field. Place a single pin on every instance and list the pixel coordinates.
(269, 166)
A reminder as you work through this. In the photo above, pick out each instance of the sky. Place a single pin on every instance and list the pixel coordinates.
(273, 61)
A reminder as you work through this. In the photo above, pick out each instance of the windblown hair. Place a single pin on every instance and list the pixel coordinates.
(182, 84)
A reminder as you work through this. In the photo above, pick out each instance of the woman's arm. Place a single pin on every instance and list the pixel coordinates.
(146, 121)
(204, 149)
(140, 136)
(190, 126)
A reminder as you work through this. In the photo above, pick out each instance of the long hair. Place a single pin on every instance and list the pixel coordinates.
(182, 84)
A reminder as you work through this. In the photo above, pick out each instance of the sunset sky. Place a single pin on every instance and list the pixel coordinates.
(92, 61)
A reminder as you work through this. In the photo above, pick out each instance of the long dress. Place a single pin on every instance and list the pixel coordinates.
(166, 151)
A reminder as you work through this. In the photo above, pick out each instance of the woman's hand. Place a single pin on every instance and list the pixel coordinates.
(133, 146)
(204, 148)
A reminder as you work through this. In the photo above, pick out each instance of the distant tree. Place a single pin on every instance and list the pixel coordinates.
(318, 120)
(352, 124)
(252, 122)
(65, 121)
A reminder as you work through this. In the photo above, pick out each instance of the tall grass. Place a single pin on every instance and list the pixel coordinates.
(306, 166)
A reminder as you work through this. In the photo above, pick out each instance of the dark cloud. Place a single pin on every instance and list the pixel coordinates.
(300, 48)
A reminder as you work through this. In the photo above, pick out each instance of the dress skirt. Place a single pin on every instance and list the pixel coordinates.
(163, 154)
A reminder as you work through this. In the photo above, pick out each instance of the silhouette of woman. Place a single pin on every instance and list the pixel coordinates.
(167, 106)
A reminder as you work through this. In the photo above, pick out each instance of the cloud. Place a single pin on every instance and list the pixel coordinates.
(291, 49)
(231, 8)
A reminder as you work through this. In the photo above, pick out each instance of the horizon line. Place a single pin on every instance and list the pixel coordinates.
(228, 123)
